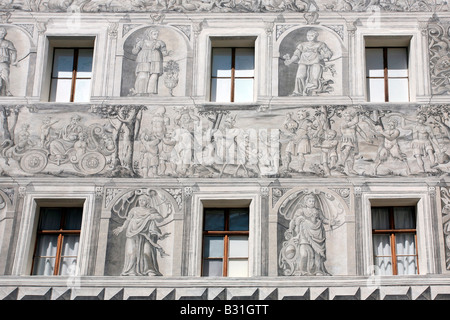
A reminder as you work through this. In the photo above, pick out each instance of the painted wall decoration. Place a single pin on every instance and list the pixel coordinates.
(139, 228)
(307, 220)
(221, 6)
(133, 141)
(15, 47)
(155, 59)
(445, 199)
(438, 48)
(310, 63)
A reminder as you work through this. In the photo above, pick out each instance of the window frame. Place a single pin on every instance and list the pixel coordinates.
(386, 76)
(60, 233)
(226, 233)
(74, 77)
(44, 196)
(45, 57)
(230, 41)
(232, 76)
(393, 232)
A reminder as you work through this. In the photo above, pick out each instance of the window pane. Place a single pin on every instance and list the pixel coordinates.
(84, 67)
(214, 220)
(212, 268)
(63, 63)
(221, 63)
(406, 253)
(238, 220)
(380, 218)
(47, 245)
(213, 247)
(376, 90)
(50, 219)
(406, 265)
(70, 246)
(221, 90)
(405, 244)
(44, 262)
(68, 266)
(243, 90)
(374, 62)
(404, 218)
(44, 266)
(238, 247)
(237, 268)
(244, 62)
(82, 90)
(383, 265)
(381, 245)
(398, 90)
(73, 218)
(61, 89)
(397, 62)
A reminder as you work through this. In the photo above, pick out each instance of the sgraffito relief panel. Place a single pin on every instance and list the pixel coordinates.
(311, 233)
(140, 238)
(438, 48)
(154, 63)
(445, 199)
(135, 141)
(221, 6)
(310, 63)
(15, 51)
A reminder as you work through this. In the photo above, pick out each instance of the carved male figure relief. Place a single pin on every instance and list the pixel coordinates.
(150, 55)
(8, 58)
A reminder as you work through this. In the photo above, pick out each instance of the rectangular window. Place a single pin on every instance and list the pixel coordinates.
(225, 242)
(387, 74)
(71, 75)
(395, 240)
(57, 241)
(232, 74)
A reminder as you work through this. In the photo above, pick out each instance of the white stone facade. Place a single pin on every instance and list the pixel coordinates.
(214, 154)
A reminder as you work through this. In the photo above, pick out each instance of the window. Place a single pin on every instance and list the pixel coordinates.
(57, 241)
(225, 242)
(395, 240)
(387, 74)
(232, 74)
(71, 75)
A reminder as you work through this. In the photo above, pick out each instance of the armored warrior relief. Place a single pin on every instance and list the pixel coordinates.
(150, 54)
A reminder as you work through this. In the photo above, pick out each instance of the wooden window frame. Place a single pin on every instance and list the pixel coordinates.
(385, 71)
(226, 233)
(59, 232)
(392, 232)
(74, 70)
(233, 70)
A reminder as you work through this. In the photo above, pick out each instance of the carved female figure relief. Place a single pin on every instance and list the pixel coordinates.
(310, 56)
(142, 235)
(304, 249)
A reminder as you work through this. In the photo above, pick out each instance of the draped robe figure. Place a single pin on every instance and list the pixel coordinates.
(142, 235)
(304, 251)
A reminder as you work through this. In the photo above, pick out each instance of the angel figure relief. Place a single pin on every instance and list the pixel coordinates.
(303, 252)
(145, 212)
